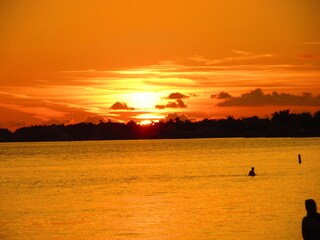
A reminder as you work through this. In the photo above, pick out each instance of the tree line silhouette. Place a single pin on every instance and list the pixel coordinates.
(281, 124)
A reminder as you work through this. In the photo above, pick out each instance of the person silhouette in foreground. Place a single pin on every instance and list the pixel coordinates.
(311, 222)
(252, 173)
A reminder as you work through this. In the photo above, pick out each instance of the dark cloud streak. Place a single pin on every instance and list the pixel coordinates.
(120, 106)
(258, 98)
(221, 95)
(177, 104)
(177, 95)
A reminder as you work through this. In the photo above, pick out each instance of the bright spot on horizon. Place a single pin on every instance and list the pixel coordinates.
(148, 118)
(145, 122)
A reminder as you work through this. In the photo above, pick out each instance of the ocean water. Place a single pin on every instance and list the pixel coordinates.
(157, 189)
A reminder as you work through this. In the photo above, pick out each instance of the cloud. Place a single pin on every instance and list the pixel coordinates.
(159, 106)
(95, 119)
(177, 95)
(120, 106)
(174, 116)
(221, 95)
(241, 52)
(258, 98)
(310, 56)
(242, 56)
(177, 104)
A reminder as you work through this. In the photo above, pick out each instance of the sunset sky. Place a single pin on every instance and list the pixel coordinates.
(89, 60)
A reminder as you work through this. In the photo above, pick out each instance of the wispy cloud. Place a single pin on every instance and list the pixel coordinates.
(241, 52)
(43, 113)
(14, 95)
(242, 56)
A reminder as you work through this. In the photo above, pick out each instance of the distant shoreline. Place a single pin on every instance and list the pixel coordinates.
(137, 139)
(282, 124)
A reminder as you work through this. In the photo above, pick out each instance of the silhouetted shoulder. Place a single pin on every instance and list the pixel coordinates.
(311, 228)
(311, 222)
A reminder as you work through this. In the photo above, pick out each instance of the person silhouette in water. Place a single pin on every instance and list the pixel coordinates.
(252, 173)
(311, 222)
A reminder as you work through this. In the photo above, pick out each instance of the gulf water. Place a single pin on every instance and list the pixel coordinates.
(185, 189)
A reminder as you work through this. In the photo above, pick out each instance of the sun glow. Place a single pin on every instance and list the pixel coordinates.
(148, 118)
(142, 100)
(146, 122)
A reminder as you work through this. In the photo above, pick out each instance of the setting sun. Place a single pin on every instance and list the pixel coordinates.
(145, 122)
(142, 100)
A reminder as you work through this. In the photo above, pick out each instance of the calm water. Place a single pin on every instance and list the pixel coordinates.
(157, 189)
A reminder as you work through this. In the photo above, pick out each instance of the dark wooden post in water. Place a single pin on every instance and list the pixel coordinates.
(299, 158)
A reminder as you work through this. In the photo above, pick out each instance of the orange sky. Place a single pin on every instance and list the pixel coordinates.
(76, 60)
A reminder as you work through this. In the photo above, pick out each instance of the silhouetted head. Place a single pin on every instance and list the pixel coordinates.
(311, 207)
(252, 168)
